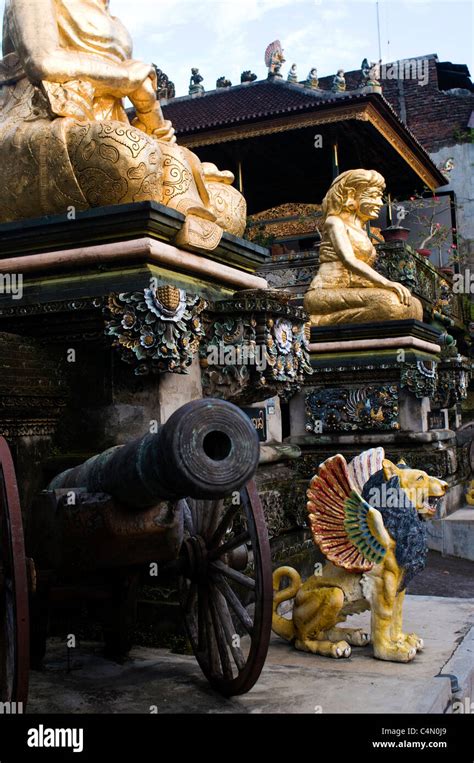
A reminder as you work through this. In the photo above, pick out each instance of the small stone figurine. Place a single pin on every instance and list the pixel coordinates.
(369, 74)
(312, 81)
(195, 86)
(248, 76)
(274, 59)
(339, 82)
(292, 75)
(223, 82)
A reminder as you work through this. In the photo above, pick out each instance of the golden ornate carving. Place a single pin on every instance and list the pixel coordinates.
(346, 288)
(65, 138)
(197, 233)
(292, 219)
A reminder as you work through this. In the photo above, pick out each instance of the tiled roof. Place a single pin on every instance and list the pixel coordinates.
(244, 103)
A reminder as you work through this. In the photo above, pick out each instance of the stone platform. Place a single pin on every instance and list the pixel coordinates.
(291, 681)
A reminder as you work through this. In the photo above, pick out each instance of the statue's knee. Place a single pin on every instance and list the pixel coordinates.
(115, 163)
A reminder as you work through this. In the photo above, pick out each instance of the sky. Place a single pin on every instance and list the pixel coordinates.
(224, 37)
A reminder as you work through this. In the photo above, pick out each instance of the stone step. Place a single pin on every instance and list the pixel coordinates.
(454, 535)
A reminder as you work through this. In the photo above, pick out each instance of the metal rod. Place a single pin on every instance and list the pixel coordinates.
(378, 30)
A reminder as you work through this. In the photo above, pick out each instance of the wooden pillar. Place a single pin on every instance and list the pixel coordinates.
(239, 176)
(335, 160)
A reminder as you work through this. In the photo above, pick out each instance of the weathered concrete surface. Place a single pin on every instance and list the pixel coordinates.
(291, 681)
(453, 535)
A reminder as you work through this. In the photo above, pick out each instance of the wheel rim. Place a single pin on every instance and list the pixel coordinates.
(226, 589)
(14, 629)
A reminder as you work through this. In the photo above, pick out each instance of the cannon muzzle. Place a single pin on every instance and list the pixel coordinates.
(207, 449)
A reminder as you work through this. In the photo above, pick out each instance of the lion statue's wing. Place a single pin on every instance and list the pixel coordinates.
(347, 529)
(363, 466)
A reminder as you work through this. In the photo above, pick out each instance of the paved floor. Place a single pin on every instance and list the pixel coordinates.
(291, 681)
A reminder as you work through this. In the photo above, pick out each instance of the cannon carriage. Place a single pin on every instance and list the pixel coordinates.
(181, 500)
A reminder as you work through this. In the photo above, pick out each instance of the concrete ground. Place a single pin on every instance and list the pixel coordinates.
(291, 681)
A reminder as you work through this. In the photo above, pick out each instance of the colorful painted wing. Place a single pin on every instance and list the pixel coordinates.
(363, 466)
(341, 520)
(274, 47)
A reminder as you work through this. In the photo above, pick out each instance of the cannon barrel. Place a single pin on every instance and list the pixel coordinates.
(207, 449)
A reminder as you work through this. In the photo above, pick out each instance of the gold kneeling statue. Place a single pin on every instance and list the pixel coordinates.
(66, 140)
(346, 288)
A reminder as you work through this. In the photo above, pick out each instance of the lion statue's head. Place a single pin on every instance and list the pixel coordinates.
(405, 497)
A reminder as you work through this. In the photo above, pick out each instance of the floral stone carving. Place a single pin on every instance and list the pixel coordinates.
(420, 378)
(256, 347)
(157, 329)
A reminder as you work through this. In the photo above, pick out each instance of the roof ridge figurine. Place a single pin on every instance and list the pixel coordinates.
(195, 86)
(292, 75)
(274, 59)
(248, 76)
(312, 81)
(370, 74)
(339, 82)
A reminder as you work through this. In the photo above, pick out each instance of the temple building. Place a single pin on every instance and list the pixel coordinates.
(414, 129)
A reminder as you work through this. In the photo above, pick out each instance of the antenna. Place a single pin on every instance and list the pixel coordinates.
(378, 30)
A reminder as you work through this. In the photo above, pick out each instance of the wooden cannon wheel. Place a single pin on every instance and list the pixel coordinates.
(14, 621)
(226, 588)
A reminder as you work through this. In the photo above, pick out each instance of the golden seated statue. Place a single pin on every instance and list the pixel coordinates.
(346, 288)
(65, 138)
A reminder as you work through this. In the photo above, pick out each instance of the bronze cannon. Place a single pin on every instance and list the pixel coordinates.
(180, 502)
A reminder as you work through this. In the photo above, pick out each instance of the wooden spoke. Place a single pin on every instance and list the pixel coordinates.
(229, 545)
(224, 525)
(221, 641)
(233, 600)
(235, 575)
(229, 628)
(189, 520)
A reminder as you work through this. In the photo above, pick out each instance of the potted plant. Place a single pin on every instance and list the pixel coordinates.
(396, 233)
(435, 234)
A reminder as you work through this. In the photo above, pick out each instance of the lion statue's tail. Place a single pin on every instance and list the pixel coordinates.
(280, 625)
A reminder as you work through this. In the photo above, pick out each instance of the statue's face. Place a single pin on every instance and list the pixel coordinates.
(369, 203)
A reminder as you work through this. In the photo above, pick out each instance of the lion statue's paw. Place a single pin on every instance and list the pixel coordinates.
(341, 649)
(395, 652)
(412, 640)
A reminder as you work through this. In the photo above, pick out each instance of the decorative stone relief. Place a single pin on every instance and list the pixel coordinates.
(155, 330)
(352, 408)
